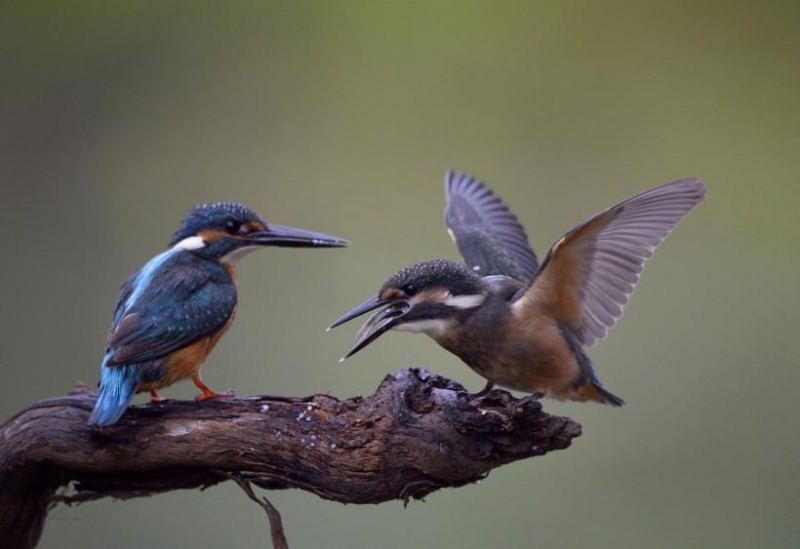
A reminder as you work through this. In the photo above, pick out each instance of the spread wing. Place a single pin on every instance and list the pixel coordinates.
(182, 304)
(487, 234)
(589, 274)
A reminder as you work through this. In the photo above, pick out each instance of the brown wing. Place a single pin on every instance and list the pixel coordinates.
(589, 274)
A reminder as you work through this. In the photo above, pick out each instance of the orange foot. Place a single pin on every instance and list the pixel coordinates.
(208, 394)
(155, 398)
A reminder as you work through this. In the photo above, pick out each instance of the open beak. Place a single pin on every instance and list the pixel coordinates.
(277, 235)
(378, 324)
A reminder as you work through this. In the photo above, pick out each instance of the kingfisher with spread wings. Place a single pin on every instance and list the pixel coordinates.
(518, 324)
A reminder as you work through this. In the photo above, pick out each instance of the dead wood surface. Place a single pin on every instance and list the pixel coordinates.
(416, 434)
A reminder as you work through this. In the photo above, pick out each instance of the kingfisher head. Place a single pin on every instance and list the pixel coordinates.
(225, 231)
(431, 297)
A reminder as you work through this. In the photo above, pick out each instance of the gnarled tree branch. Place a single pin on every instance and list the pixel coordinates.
(418, 433)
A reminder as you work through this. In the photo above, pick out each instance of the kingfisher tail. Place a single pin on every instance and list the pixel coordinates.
(600, 394)
(591, 392)
(117, 387)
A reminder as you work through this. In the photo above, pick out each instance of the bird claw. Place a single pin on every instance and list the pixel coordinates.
(482, 393)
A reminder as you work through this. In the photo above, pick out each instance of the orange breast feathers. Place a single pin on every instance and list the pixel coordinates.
(185, 363)
(531, 356)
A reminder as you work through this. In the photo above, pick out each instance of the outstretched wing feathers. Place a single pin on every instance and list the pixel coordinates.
(487, 234)
(588, 276)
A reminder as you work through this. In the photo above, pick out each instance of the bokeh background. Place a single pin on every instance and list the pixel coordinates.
(116, 118)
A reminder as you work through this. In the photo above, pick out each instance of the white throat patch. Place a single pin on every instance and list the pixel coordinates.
(238, 254)
(431, 326)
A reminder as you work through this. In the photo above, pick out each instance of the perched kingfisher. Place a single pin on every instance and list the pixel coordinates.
(515, 323)
(172, 312)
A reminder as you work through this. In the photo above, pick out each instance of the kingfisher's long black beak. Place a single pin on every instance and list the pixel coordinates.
(367, 306)
(277, 235)
(378, 324)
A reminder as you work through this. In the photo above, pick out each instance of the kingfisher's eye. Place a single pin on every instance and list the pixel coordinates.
(409, 289)
(232, 226)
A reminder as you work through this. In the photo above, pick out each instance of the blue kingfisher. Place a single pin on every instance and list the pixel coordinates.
(172, 312)
(518, 324)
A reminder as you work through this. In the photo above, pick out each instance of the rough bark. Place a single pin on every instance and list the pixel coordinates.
(418, 433)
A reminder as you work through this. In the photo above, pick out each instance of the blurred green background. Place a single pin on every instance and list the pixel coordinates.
(117, 117)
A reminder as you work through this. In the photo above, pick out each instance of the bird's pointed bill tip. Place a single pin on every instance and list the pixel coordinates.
(280, 235)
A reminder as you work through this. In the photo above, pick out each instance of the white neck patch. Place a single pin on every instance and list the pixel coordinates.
(467, 301)
(191, 243)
